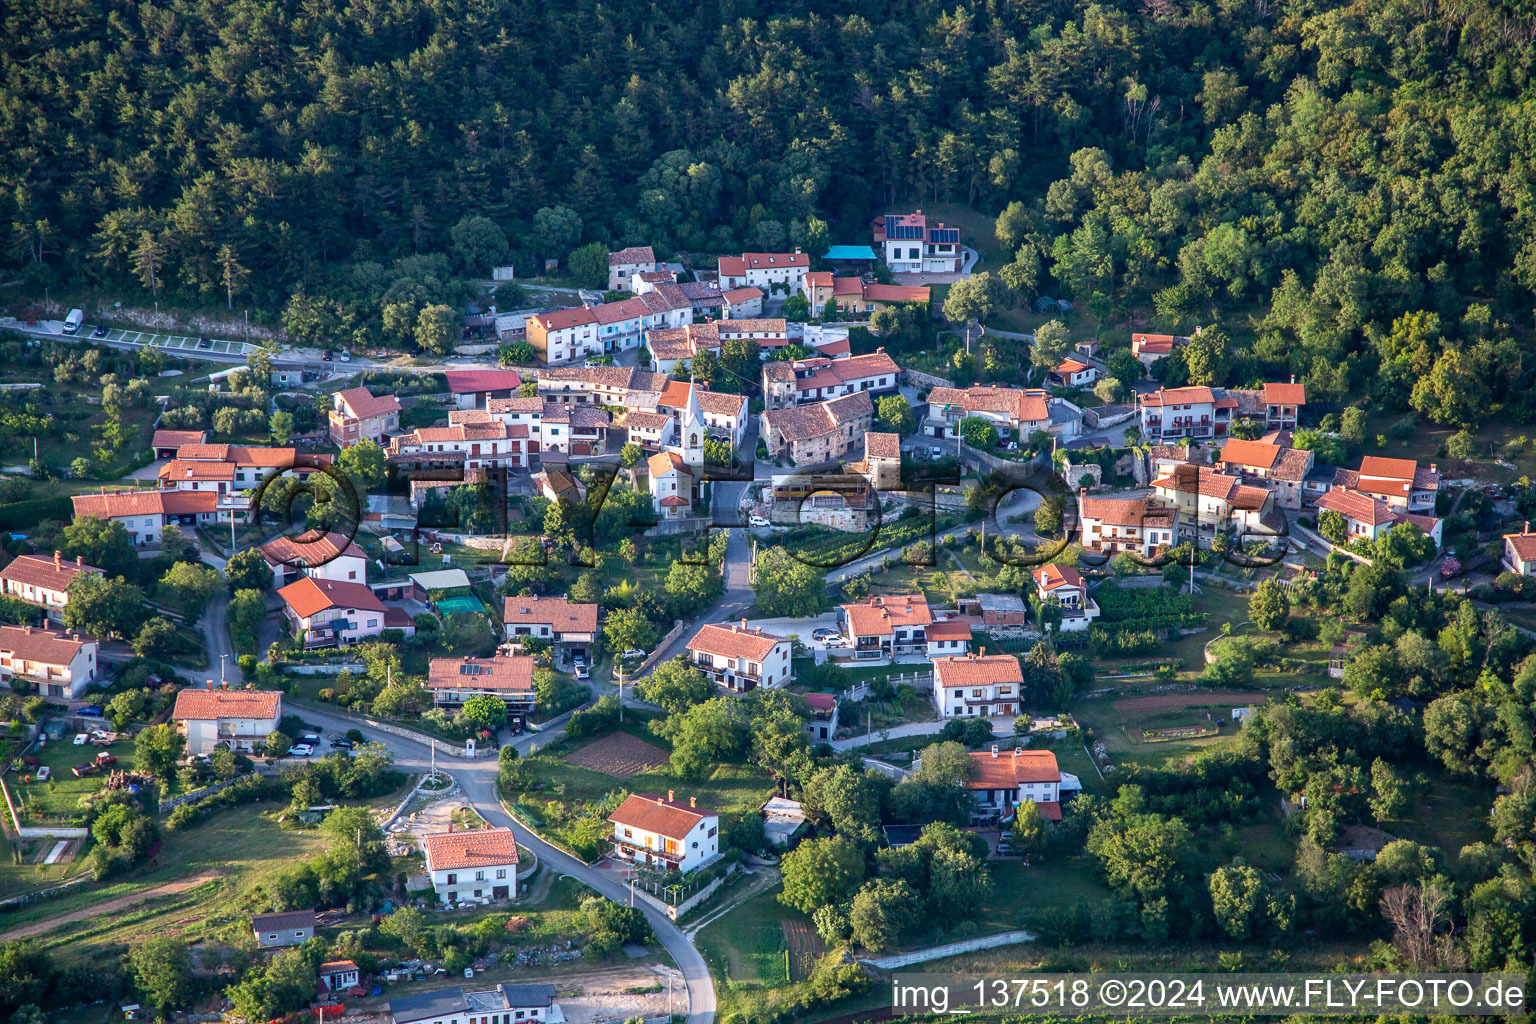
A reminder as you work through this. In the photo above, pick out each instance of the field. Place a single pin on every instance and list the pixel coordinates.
(804, 945)
(56, 802)
(620, 755)
(1194, 699)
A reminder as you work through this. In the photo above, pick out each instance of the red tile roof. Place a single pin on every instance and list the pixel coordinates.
(177, 438)
(1051, 577)
(665, 462)
(310, 549)
(178, 469)
(1390, 469)
(1163, 397)
(1524, 545)
(728, 640)
(473, 848)
(739, 295)
(362, 403)
(561, 319)
(206, 705)
(977, 670)
(1362, 508)
(878, 445)
(895, 293)
(510, 673)
(632, 256)
(1005, 769)
(308, 596)
(1152, 344)
(1251, 453)
(1070, 366)
(673, 819)
(49, 573)
(41, 645)
(881, 615)
(949, 629)
(215, 452)
(1289, 393)
(1018, 404)
(144, 503)
(558, 613)
(1113, 511)
(464, 382)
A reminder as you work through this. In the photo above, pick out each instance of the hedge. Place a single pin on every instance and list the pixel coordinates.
(27, 514)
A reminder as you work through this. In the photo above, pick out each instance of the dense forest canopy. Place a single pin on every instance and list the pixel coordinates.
(1357, 160)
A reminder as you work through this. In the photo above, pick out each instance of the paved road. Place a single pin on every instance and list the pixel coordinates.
(478, 781)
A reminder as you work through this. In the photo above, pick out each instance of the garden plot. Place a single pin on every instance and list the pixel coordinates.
(620, 755)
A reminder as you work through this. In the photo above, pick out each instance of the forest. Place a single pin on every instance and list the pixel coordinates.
(1344, 163)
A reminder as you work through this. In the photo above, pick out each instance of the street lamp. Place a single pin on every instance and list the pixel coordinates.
(223, 663)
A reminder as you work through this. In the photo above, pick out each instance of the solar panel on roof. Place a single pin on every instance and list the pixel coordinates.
(944, 235)
(902, 232)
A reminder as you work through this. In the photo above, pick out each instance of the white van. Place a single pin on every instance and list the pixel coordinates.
(74, 320)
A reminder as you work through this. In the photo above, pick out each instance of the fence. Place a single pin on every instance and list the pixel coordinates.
(862, 690)
(648, 891)
(167, 806)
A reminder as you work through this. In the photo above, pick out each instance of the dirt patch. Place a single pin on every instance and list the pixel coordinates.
(1178, 732)
(109, 906)
(619, 754)
(1194, 699)
(805, 947)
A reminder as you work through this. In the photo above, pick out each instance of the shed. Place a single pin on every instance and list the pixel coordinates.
(424, 583)
(782, 819)
(284, 928)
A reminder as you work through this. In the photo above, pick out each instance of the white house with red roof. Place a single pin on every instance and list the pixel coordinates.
(1065, 586)
(883, 627)
(472, 389)
(818, 379)
(1002, 780)
(1368, 516)
(822, 726)
(978, 685)
(766, 271)
(724, 416)
(908, 244)
(1197, 412)
(665, 833)
(1401, 483)
(472, 865)
(328, 613)
(626, 263)
(948, 638)
(241, 718)
(233, 473)
(165, 442)
(146, 513)
(672, 483)
(322, 556)
(1021, 411)
(1208, 501)
(1520, 551)
(1149, 348)
(357, 414)
(742, 303)
(507, 677)
(58, 664)
(1112, 525)
(740, 658)
(560, 621)
(1073, 373)
(44, 581)
(828, 294)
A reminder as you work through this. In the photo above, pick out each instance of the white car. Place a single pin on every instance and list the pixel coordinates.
(835, 641)
(345, 356)
(301, 750)
(582, 672)
(758, 522)
(632, 655)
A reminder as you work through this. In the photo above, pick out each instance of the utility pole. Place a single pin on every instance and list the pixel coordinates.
(621, 692)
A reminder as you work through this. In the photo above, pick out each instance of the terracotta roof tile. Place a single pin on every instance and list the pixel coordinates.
(635, 254)
(1362, 508)
(464, 382)
(472, 848)
(206, 705)
(556, 612)
(1052, 577)
(41, 645)
(879, 445)
(1524, 545)
(977, 670)
(732, 641)
(177, 438)
(307, 596)
(1289, 393)
(310, 549)
(362, 403)
(881, 615)
(1251, 453)
(673, 819)
(1006, 769)
(511, 673)
(144, 503)
(949, 629)
(54, 573)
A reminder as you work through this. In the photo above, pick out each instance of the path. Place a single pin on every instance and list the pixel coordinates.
(763, 879)
(1002, 726)
(109, 906)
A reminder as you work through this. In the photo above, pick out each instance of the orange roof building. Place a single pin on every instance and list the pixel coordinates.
(1002, 780)
(664, 832)
(331, 612)
(472, 866)
(549, 618)
(883, 626)
(44, 581)
(740, 657)
(978, 685)
(452, 681)
(243, 719)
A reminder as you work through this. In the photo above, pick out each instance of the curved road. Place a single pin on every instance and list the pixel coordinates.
(478, 781)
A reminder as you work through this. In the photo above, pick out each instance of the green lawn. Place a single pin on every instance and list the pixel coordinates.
(56, 802)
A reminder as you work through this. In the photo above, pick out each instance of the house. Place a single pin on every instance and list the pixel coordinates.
(1074, 373)
(1282, 404)
(948, 638)
(243, 719)
(768, 332)
(555, 619)
(783, 819)
(828, 294)
(1368, 516)
(1283, 471)
(491, 444)
(321, 556)
(504, 1004)
(822, 727)
(1401, 483)
(626, 263)
(330, 613)
(284, 928)
(1001, 781)
(1019, 412)
(165, 442)
(339, 975)
(724, 416)
(665, 834)
(234, 473)
(509, 678)
(1520, 552)
(558, 484)
(739, 658)
(910, 245)
(742, 303)
(146, 513)
(1196, 412)
(1208, 502)
(883, 627)
(810, 434)
(574, 429)
(669, 346)
(1137, 525)
(645, 281)
(977, 685)
(995, 611)
(820, 378)
(1149, 348)
(767, 271)
(673, 484)
(357, 414)
(882, 460)
(473, 865)
(649, 430)
(472, 389)
(57, 664)
(626, 386)
(44, 581)
(1064, 585)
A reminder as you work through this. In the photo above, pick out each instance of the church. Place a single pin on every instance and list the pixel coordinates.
(677, 471)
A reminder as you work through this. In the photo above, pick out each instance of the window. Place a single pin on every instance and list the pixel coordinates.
(453, 879)
(479, 877)
(501, 872)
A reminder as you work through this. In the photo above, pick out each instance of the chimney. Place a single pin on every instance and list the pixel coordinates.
(670, 796)
(994, 750)
(1527, 529)
(80, 561)
(58, 557)
(743, 622)
(210, 684)
(1293, 378)
(1017, 751)
(693, 801)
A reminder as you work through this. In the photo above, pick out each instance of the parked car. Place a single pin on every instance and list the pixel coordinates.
(632, 655)
(205, 342)
(327, 355)
(300, 750)
(43, 773)
(582, 672)
(823, 633)
(90, 711)
(312, 738)
(836, 641)
(758, 522)
(936, 452)
(345, 356)
(342, 744)
(100, 332)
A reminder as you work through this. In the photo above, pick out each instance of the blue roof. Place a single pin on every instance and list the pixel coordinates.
(428, 1004)
(850, 252)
